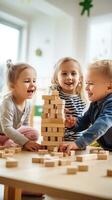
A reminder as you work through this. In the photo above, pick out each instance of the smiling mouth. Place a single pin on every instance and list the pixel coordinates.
(68, 84)
(30, 91)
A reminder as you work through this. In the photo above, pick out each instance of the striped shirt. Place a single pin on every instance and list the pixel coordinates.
(76, 106)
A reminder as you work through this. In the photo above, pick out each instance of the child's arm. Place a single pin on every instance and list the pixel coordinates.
(31, 146)
(101, 125)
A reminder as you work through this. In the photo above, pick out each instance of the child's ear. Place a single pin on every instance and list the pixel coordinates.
(11, 86)
(110, 86)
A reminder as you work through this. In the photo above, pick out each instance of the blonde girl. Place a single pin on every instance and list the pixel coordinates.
(68, 79)
(15, 107)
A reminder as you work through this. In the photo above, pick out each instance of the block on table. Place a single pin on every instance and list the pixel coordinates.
(11, 162)
(72, 170)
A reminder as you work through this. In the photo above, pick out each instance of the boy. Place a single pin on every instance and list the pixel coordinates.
(97, 121)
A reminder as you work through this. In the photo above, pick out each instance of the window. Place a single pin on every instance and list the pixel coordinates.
(100, 38)
(10, 40)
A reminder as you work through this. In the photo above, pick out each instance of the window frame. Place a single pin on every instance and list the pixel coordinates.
(19, 28)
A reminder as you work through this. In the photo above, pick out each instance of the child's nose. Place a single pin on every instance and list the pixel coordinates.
(69, 76)
(32, 83)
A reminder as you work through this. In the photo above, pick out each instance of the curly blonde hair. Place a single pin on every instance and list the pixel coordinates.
(104, 67)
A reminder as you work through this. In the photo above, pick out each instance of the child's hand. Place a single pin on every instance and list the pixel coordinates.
(32, 146)
(67, 147)
(70, 121)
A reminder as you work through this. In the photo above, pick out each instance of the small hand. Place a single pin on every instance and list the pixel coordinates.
(65, 147)
(70, 121)
(32, 146)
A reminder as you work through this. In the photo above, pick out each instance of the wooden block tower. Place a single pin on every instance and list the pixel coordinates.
(53, 120)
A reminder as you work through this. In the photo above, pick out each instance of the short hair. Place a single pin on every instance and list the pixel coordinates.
(14, 70)
(104, 67)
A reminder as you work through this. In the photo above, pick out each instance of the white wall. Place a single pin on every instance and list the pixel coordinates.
(52, 33)
(62, 34)
(42, 36)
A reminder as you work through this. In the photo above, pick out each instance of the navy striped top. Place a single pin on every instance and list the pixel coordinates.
(76, 106)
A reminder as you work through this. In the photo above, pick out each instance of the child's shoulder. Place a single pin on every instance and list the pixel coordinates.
(7, 98)
(7, 103)
(108, 99)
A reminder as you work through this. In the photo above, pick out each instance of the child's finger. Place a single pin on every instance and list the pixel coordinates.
(68, 149)
(62, 147)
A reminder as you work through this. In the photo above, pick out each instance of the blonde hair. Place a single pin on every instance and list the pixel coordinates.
(54, 81)
(14, 71)
(104, 67)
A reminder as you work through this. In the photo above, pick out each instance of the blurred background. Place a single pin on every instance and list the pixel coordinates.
(42, 31)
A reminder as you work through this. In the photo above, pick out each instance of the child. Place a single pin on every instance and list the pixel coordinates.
(15, 108)
(97, 121)
(67, 78)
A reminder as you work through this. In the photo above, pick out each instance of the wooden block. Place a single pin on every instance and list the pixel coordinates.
(64, 162)
(102, 156)
(109, 172)
(6, 155)
(95, 149)
(55, 149)
(103, 152)
(50, 143)
(51, 125)
(52, 116)
(54, 129)
(81, 158)
(58, 102)
(11, 162)
(72, 153)
(68, 161)
(56, 134)
(83, 168)
(42, 151)
(2, 153)
(47, 106)
(47, 97)
(36, 160)
(18, 149)
(60, 139)
(7, 150)
(72, 170)
(51, 163)
(51, 148)
(58, 154)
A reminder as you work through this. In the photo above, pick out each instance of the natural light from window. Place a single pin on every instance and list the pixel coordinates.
(9, 47)
(100, 40)
(9, 43)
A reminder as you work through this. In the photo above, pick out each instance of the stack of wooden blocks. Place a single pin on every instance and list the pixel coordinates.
(53, 120)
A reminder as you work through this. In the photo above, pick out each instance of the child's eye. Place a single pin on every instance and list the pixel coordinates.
(34, 81)
(73, 73)
(64, 73)
(26, 81)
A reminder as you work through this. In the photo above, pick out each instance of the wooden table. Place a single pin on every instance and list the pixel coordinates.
(91, 185)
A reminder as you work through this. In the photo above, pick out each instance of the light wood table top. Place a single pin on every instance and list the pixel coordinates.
(91, 185)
